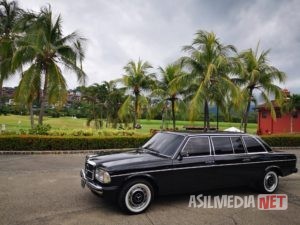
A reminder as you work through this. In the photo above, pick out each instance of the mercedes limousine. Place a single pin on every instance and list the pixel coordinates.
(174, 162)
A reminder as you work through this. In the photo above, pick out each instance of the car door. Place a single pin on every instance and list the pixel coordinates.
(257, 156)
(229, 157)
(193, 168)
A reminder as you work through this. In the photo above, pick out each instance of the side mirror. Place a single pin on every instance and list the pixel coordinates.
(179, 157)
(182, 154)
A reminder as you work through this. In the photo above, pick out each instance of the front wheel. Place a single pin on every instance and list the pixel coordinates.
(136, 196)
(270, 182)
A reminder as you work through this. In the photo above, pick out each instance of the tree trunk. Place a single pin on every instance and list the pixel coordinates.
(43, 98)
(173, 113)
(247, 111)
(95, 117)
(1, 92)
(31, 115)
(206, 116)
(217, 118)
(135, 110)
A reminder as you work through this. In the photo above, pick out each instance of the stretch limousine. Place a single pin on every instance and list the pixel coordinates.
(174, 162)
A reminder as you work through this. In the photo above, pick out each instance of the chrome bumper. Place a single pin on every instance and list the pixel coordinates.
(84, 181)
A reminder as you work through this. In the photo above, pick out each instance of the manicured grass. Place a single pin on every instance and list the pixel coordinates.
(16, 122)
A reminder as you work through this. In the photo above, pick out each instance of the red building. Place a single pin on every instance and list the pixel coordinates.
(284, 123)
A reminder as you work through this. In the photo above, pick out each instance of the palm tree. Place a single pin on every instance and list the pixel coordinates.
(209, 65)
(164, 90)
(95, 95)
(9, 16)
(45, 50)
(257, 75)
(137, 79)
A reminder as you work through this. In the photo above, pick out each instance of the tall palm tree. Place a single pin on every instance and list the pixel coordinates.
(164, 91)
(9, 16)
(95, 95)
(257, 75)
(45, 49)
(137, 79)
(209, 64)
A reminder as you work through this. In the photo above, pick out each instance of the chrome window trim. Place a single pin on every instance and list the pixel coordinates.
(252, 136)
(170, 156)
(202, 166)
(209, 144)
(179, 148)
(214, 145)
(245, 150)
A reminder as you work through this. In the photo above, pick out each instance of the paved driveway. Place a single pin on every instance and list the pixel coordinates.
(45, 189)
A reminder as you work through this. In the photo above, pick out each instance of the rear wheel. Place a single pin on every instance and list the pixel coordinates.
(136, 196)
(270, 182)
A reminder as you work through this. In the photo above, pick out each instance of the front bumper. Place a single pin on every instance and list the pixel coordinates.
(90, 184)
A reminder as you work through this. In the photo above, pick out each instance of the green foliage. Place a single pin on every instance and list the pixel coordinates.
(40, 129)
(23, 143)
(256, 74)
(44, 48)
(282, 140)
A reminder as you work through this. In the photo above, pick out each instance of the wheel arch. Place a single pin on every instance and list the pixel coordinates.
(274, 168)
(146, 177)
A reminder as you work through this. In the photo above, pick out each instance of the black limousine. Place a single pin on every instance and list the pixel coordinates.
(174, 162)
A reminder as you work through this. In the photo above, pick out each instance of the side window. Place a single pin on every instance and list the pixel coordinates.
(237, 145)
(196, 146)
(222, 145)
(253, 145)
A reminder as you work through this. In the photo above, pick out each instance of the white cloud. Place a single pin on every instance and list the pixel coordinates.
(155, 30)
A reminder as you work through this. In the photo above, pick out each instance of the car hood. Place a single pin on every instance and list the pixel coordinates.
(132, 160)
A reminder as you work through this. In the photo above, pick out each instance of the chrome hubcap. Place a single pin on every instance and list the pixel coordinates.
(270, 181)
(138, 197)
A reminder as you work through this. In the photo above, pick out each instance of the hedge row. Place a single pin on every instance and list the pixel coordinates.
(282, 140)
(31, 142)
(23, 143)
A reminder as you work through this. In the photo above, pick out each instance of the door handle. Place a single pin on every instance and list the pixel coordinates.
(246, 160)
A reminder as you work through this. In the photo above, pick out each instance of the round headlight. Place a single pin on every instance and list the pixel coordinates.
(102, 176)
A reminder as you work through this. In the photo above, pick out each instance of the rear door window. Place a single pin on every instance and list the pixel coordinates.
(253, 145)
(222, 145)
(237, 145)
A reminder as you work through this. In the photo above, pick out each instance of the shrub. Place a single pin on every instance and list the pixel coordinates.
(57, 133)
(35, 142)
(282, 140)
(40, 129)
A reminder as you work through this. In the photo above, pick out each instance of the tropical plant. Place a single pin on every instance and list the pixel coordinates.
(95, 95)
(164, 92)
(208, 66)
(137, 79)
(113, 103)
(45, 50)
(257, 75)
(9, 16)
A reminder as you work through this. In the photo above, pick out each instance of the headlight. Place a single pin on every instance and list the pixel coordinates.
(102, 176)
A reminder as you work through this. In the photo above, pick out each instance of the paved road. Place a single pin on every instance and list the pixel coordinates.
(45, 189)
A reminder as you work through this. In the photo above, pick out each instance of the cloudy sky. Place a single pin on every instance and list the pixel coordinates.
(156, 30)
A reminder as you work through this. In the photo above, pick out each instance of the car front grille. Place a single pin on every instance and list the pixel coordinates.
(89, 171)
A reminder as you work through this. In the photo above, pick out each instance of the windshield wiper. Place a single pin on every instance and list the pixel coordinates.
(152, 150)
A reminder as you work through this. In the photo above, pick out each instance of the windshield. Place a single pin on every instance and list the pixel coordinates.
(164, 143)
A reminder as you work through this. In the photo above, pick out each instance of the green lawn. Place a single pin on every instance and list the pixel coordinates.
(15, 123)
